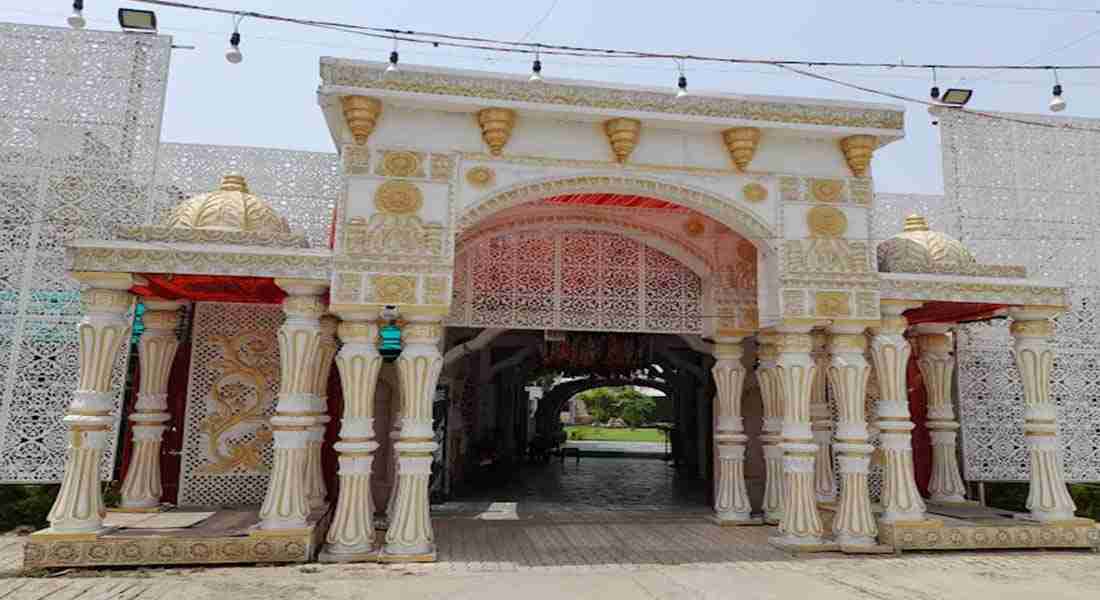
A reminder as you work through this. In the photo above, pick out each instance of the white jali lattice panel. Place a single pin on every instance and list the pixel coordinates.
(574, 280)
(1029, 195)
(231, 392)
(302, 186)
(80, 118)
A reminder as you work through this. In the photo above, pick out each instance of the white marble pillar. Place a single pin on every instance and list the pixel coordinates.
(821, 419)
(103, 332)
(731, 498)
(766, 375)
(801, 524)
(394, 437)
(410, 536)
(141, 489)
(937, 367)
(315, 477)
(854, 523)
(890, 351)
(351, 533)
(286, 505)
(1047, 499)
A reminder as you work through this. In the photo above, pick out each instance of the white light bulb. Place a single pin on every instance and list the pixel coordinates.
(76, 20)
(233, 55)
(1057, 104)
(681, 93)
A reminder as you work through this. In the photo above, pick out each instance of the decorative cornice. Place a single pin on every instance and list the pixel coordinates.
(156, 233)
(198, 259)
(964, 289)
(490, 87)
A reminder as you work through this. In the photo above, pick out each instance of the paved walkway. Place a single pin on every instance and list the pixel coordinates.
(604, 555)
(646, 448)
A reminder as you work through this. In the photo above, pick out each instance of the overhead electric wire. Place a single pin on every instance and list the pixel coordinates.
(997, 6)
(496, 45)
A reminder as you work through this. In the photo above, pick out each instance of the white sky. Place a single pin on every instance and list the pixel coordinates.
(269, 99)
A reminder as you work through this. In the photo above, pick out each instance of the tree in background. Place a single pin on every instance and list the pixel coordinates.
(634, 407)
(601, 403)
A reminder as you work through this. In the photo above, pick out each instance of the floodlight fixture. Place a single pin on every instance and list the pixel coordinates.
(137, 20)
(956, 96)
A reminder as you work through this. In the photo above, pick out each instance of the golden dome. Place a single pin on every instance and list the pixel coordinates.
(918, 250)
(229, 208)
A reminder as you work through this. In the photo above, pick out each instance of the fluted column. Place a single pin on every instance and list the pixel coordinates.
(821, 419)
(394, 437)
(409, 536)
(1047, 499)
(142, 487)
(901, 501)
(315, 477)
(854, 524)
(766, 375)
(103, 333)
(937, 366)
(801, 524)
(286, 505)
(731, 498)
(352, 530)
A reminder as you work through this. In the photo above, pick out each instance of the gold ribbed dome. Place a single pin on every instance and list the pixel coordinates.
(918, 250)
(229, 208)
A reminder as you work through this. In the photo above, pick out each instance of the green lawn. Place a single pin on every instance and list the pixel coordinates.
(600, 434)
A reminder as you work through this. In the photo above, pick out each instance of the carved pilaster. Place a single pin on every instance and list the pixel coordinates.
(1047, 499)
(731, 499)
(770, 437)
(352, 531)
(410, 533)
(156, 351)
(821, 419)
(854, 524)
(801, 522)
(901, 501)
(286, 505)
(326, 350)
(937, 366)
(102, 332)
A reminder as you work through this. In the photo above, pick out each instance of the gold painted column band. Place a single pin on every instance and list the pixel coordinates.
(103, 332)
(1048, 499)
(822, 423)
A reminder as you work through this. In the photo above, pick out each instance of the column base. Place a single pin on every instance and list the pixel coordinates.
(803, 545)
(855, 540)
(331, 555)
(949, 499)
(773, 518)
(904, 518)
(156, 508)
(734, 519)
(1053, 518)
(387, 556)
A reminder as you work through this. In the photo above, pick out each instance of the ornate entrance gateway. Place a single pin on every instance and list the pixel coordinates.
(475, 200)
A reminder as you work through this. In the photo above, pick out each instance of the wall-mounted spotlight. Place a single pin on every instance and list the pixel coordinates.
(137, 20)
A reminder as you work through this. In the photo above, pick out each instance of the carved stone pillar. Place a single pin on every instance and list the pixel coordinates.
(409, 536)
(901, 501)
(351, 533)
(315, 476)
(103, 332)
(937, 365)
(854, 524)
(394, 437)
(731, 498)
(770, 437)
(801, 524)
(286, 505)
(141, 490)
(821, 419)
(1047, 499)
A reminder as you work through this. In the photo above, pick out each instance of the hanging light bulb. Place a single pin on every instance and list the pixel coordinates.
(682, 82)
(935, 93)
(76, 20)
(233, 54)
(1057, 102)
(536, 69)
(390, 70)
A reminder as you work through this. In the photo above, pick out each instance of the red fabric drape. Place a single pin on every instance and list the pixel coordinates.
(329, 462)
(211, 288)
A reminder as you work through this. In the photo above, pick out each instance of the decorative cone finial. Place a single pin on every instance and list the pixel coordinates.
(741, 143)
(915, 222)
(233, 182)
(622, 134)
(361, 114)
(496, 127)
(857, 151)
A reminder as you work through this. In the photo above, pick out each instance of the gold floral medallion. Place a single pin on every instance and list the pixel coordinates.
(755, 192)
(480, 176)
(827, 190)
(398, 198)
(826, 221)
(401, 164)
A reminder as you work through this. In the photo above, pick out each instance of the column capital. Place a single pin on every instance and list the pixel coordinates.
(1035, 313)
(104, 280)
(302, 287)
